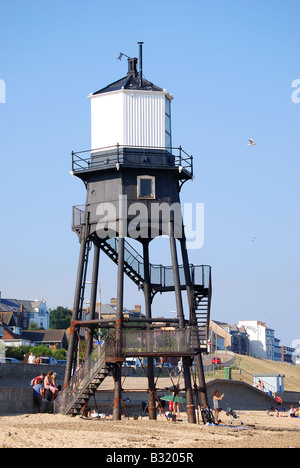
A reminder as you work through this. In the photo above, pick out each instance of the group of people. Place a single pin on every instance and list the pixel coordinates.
(45, 389)
(33, 360)
(294, 412)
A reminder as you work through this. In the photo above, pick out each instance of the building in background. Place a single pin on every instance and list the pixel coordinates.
(263, 343)
(219, 336)
(240, 343)
(225, 337)
(18, 314)
(53, 339)
(108, 311)
(289, 355)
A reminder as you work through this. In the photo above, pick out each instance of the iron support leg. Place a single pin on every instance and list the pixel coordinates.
(117, 376)
(94, 289)
(201, 379)
(187, 373)
(73, 339)
(119, 320)
(190, 407)
(176, 275)
(147, 293)
(193, 320)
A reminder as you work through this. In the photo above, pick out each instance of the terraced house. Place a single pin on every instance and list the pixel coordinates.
(19, 314)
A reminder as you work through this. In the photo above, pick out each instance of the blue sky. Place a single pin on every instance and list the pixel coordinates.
(230, 66)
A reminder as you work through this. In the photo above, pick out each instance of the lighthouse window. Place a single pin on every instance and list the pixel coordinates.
(146, 187)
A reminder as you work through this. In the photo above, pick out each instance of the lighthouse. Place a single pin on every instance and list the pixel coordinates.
(133, 177)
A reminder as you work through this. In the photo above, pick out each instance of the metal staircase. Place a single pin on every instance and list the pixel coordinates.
(202, 313)
(85, 382)
(133, 261)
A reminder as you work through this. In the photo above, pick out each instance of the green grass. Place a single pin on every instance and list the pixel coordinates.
(250, 366)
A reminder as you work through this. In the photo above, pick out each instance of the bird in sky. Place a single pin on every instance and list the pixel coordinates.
(251, 142)
(253, 239)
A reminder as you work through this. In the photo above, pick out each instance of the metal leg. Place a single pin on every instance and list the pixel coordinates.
(187, 373)
(193, 320)
(190, 407)
(176, 276)
(76, 310)
(119, 319)
(94, 289)
(147, 293)
(117, 376)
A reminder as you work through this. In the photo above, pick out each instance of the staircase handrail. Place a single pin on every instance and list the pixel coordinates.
(82, 377)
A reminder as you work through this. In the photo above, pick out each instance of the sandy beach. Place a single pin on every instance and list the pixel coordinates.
(260, 430)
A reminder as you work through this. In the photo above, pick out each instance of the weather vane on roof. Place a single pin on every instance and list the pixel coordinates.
(121, 56)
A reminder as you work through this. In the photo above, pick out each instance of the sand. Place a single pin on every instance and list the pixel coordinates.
(260, 430)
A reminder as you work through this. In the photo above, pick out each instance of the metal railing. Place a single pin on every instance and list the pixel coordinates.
(136, 156)
(156, 342)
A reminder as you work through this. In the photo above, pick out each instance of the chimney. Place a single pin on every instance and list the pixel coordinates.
(138, 308)
(141, 64)
(132, 71)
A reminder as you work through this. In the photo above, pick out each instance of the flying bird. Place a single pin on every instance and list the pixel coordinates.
(251, 142)
(253, 239)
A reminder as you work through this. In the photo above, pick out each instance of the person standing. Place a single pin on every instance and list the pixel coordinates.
(37, 395)
(216, 399)
(31, 359)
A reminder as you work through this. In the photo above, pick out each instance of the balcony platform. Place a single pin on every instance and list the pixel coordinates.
(116, 157)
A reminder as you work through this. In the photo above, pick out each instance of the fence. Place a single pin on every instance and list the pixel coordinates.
(148, 342)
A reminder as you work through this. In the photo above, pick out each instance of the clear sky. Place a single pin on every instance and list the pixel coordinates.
(230, 66)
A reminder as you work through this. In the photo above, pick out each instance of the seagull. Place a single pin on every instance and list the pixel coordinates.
(251, 142)
(253, 239)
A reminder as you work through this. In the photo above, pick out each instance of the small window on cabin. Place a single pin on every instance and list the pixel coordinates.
(146, 187)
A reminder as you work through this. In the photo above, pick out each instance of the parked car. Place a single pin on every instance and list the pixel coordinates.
(216, 360)
(6, 360)
(132, 362)
(48, 360)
